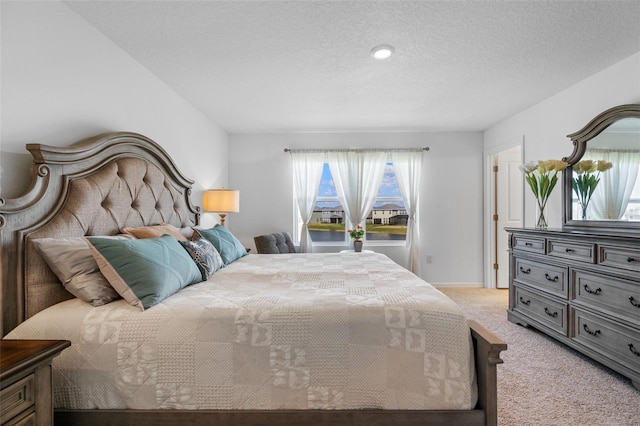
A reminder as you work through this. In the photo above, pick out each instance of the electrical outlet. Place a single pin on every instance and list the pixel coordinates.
(429, 258)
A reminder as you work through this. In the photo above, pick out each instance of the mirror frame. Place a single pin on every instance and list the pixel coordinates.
(580, 140)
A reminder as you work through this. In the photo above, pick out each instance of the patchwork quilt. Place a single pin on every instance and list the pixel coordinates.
(285, 331)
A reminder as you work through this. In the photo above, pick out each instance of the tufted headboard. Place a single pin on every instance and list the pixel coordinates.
(94, 187)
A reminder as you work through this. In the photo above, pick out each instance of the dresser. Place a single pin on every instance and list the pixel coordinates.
(582, 289)
(25, 381)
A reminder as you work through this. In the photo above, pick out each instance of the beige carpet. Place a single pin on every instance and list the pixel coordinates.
(543, 382)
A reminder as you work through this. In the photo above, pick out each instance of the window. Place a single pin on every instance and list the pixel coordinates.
(387, 221)
(388, 218)
(633, 208)
(327, 222)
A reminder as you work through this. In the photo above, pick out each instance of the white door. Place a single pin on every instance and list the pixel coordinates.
(508, 197)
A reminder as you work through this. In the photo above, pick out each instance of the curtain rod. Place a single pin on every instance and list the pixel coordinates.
(426, 148)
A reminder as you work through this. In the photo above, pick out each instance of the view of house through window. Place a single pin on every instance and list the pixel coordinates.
(386, 221)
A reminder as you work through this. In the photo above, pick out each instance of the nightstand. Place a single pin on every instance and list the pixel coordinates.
(25, 381)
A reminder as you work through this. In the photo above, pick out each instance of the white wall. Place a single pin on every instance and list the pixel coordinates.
(62, 80)
(545, 125)
(451, 197)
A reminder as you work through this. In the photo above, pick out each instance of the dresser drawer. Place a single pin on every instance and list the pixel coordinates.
(619, 257)
(573, 250)
(616, 296)
(27, 419)
(619, 342)
(544, 310)
(530, 244)
(546, 277)
(16, 397)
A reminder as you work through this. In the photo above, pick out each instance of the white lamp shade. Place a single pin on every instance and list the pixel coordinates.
(221, 201)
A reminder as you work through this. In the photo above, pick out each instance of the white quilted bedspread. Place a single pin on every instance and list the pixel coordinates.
(287, 331)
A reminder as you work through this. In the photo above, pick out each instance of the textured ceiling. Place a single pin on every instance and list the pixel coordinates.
(256, 66)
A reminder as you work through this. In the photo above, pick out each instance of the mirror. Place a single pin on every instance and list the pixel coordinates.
(601, 188)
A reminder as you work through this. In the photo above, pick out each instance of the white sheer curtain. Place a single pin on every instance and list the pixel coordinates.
(307, 172)
(357, 176)
(611, 197)
(407, 166)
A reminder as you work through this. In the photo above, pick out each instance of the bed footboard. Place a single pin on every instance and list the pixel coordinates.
(487, 348)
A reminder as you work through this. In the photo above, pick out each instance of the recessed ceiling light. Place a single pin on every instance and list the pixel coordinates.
(382, 52)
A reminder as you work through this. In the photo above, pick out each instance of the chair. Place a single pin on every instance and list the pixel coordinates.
(276, 243)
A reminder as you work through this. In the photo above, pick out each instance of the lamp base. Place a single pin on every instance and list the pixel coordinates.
(222, 216)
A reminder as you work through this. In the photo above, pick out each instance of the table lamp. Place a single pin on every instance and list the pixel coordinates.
(221, 201)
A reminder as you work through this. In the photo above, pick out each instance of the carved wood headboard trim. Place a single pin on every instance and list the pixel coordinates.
(131, 173)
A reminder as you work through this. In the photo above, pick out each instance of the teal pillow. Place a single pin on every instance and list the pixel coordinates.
(144, 272)
(229, 247)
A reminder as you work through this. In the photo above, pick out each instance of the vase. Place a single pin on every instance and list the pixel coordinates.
(584, 210)
(357, 246)
(541, 216)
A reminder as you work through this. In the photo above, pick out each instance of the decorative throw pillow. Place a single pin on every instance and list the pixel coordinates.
(229, 247)
(155, 231)
(205, 255)
(71, 260)
(147, 271)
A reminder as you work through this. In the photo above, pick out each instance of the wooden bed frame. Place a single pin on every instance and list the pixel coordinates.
(28, 286)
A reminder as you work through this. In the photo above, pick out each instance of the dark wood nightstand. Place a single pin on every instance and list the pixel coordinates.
(25, 381)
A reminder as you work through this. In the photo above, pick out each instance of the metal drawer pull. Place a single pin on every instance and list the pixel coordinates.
(568, 250)
(631, 259)
(588, 290)
(525, 302)
(593, 333)
(548, 277)
(551, 314)
(528, 244)
(633, 350)
(633, 302)
(525, 271)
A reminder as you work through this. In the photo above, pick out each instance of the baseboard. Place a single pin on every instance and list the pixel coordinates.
(474, 285)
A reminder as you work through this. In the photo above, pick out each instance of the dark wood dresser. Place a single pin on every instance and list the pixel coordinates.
(582, 289)
(25, 381)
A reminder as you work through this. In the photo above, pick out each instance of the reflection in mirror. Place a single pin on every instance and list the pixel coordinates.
(605, 180)
(604, 195)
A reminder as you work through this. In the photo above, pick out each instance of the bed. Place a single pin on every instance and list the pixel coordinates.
(268, 339)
